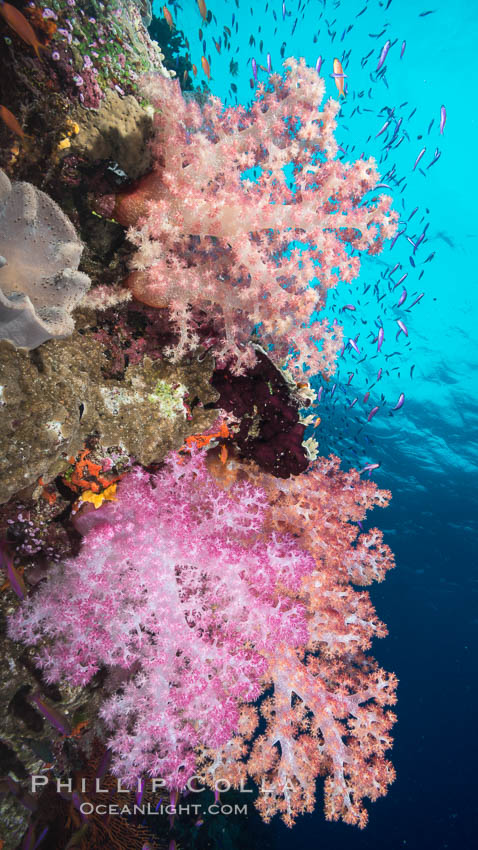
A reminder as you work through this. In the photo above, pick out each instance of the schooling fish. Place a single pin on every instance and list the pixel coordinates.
(354, 345)
(318, 64)
(339, 76)
(202, 9)
(400, 401)
(442, 119)
(195, 70)
(379, 373)
(372, 413)
(404, 44)
(169, 18)
(380, 338)
(417, 300)
(402, 327)
(20, 25)
(11, 122)
(205, 67)
(269, 63)
(402, 298)
(254, 69)
(15, 579)
(369, 467)
(52, 715)
(383, 55)
(422, 153)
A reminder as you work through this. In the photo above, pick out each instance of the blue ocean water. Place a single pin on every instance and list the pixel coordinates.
(427, 450)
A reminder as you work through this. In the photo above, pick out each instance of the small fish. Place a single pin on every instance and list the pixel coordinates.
(399, 404)
(417, 300)
(402, 327)
(14, 577)
(422, 153)
(402, 298)
(57, 720)
(254, 69)
(372, 413)
(17, 22)
(269, 63)
(369, 467)
(205, 66)
(318, 64)
(379, 373)
(401, 280)
(351, 374)
(354, 345)
(283, 11)
(380, 338)
(366, 398)
(383, 55)
(339, 77)
(348, 307)
(404, 44)
(9, 119)
(202, 9)
(435, 158)
(442, 119)
(354, 402)
(168, 17)
(223, 454)
(195, 70)
(319, 394)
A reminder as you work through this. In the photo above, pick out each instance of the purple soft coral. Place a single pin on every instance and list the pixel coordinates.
(173, 585)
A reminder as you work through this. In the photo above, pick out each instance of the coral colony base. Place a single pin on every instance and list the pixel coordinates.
(184, 577)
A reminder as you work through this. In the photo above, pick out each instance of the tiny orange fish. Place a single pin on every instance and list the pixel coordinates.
(217, 46)
(202, 9)
(169, 18)
(205, 67)
(20, 25)
(11, 122)
(185, 77)
(339, 77)
(195, 71)
(223, 454)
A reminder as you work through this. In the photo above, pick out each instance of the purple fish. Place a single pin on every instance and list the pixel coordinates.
(372, 413)
(383, 129)
(351, 374)
(318, 64)
(333, 390)
(402, 327)
(348, 307)
(254, 69)
(283, 11)
(354, 402)
(383, 55)
(417, 300)
(14, 577)
(442, 119)
(435, 159)
(422, 153)
(365, 398)
(394, 269)
(379, 373)
(396, 237)
(57, 720)
(319, 394)
(400, 401)
(404, 44)
(360, 525)
(354, 345)
(402, 298)
(402, 278)
(380, 338)
(269, 63)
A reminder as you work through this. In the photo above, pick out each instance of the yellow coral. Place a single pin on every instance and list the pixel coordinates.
(98, 498)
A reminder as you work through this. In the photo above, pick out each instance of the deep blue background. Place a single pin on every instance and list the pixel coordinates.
(429, 449)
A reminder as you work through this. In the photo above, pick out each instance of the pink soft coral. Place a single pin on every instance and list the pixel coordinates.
(173, 585)
(210, 240)
(206, 589)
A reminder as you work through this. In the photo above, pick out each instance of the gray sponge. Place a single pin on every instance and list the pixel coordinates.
(39, 257)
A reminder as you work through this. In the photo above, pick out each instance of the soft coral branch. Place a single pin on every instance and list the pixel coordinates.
(210, 239)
